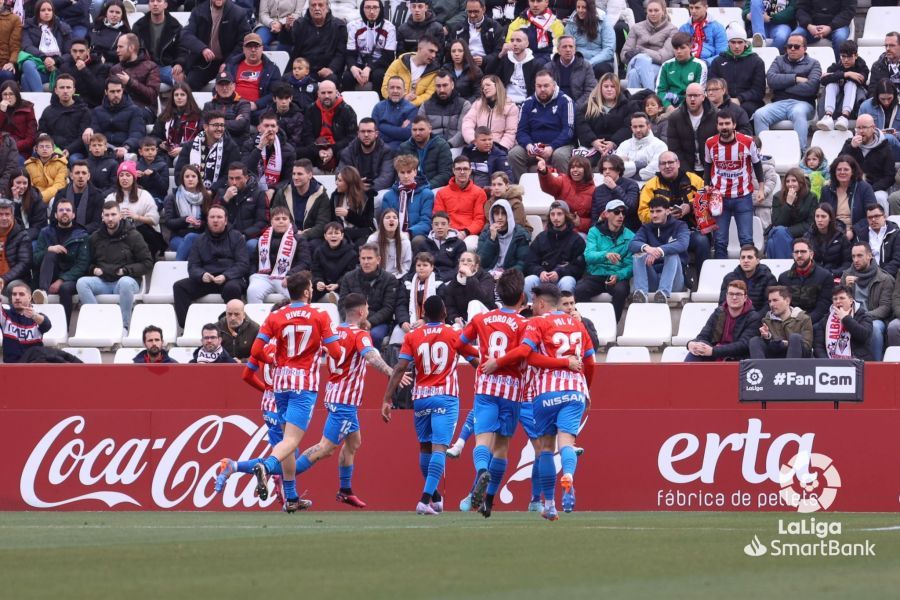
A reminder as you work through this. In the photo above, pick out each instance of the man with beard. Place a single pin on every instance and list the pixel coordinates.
(211, 350)
(86, 199)
(445, 110)
(62, 255)
(331, 118)
(371, 46)
(786, 331)
(870, 148)
(641, 151)
(139, 74)
(245, 204)
(369, 155)
(872, 291)
(321, 38)
(212, 150)
(435, 158)
(154, 352)
(88, 70)
(728, 331)
(557, 254)
(22, 326)
(679, 187)
(379, 288)
(119, 119)
(809, 283)
(393, 116)
(306, 199)
(608, 259)
(269, 156)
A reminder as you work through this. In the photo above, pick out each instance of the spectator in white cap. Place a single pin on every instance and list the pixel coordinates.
(608, 259)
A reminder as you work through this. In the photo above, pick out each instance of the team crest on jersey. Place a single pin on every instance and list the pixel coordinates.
(366, 342)
(690, 76)
(553, 110)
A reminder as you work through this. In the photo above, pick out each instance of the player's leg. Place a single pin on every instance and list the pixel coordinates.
(487, 410)
(546, 409)
(568, 422)
(345, 470)
(507, 418)
(443, 423)
(422, 409)
(526, 420)
(228, 467)
(467, 429)
(297, 417)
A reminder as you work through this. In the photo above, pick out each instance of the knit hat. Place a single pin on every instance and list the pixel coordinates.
(561, 204)
(127, 167)
(735, 31)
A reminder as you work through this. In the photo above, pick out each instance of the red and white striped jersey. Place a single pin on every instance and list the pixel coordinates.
(267, 403)
(498, 332)
(731, 171)
(557, 334)
(345, 385)
(300, 331)
(432, 349)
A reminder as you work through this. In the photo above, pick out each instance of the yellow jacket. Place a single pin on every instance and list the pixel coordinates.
(653, 187)
(557, 30)
(48, 177)
(400, 68)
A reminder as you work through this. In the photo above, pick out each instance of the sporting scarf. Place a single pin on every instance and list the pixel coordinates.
(179, 130)
(48, 44)
(270, 166)
(286, 250)
(837, 343)
(406, 193)
(698, 37)
(209, 357)
(212, 166)
(542, 25)
(327, 130)
(189, 203)
(418, 296)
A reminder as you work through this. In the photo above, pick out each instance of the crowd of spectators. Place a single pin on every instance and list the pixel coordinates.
(644, 134)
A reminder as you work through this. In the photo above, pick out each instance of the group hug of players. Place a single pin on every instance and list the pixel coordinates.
(534, 371)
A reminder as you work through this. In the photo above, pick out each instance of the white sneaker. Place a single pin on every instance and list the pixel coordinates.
(456, 449)
(842, 123)
(424, 509)
(759, 41)
(826, 123)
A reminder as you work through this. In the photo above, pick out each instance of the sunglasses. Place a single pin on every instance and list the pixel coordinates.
(794, 46)
(617, 211)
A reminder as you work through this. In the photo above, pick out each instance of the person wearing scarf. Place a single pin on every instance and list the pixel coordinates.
(268, 155)
(873, 291)
(541, 27)
(209, 156)
(847, 330)
(422, 286)
(280, 252)
(727, 333)
(211, 351)
(708, 38)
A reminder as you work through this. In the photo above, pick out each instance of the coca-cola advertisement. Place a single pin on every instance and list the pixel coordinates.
(132, 438)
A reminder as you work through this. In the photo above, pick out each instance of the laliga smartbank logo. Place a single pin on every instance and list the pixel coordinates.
(808, 537)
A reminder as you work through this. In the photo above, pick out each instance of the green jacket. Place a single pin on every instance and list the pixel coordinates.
(798, 218)
(674, 77)
(77, 260)
(796, 322)
(600, 242)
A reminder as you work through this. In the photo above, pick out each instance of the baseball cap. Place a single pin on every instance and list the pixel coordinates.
(252, 38)
(614, 204)
(224, 77)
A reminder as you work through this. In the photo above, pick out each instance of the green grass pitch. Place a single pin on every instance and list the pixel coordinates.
(362, 555)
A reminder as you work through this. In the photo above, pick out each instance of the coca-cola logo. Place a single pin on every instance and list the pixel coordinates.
(63, 460)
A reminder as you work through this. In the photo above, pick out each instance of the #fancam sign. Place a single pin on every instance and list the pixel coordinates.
(798, 380)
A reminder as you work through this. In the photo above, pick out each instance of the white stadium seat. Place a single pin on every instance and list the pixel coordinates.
(678, 16)
(823, 54)
(182, 17)
(783, 147)
(891, 354)
(258, 312)
(768, 55)
(99, 325)
(41, 101)
(624, 354)
(199, 315)
(778, 265)
(165, 274)
(830, 142)
(880, 20)
(161, 315)
(125, 356)
(327, 182)
(537, 224)
(602, 315)
(59, 327)
(711, 276)
(89, 356)
(361, 102)
(331, 309)
(647, 324)
(725, 15)
(734, 244)
(895, 219)
(134, 18)
(673, 354)
(871, 54)
(201, 97)
(536, 201)
(280, 58)
(182, 355)
(693, 317)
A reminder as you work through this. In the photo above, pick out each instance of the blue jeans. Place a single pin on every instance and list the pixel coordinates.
(778, 33)
(566, 284)
(894, 143)
(780, 243)
(165, 75)
(79, 32)
(252, 245)
(182, 245)
(838, 37)
(378, 334)
(642, 73)
(665, 277)
(125, 287)
(796, 111)
(7, 75)
(876, 344)
(32, 79)
(741, 208)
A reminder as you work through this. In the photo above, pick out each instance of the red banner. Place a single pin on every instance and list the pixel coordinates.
(139, 438)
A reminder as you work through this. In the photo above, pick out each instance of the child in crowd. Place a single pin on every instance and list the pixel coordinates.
(330, 262)
(47, 168)
(486, 157)
(679, 72)
(101, 163)
(659, 125)
(815, 165)
(306, 88)
(845, 85)
(152, 171)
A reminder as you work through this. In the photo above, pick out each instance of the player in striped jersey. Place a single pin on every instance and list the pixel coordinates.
(343, 395)
(731, 161)
(293, 339)
(433, 347)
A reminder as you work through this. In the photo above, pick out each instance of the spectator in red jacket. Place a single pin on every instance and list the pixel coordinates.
(17, 118)
(464, 202)
(576, 188)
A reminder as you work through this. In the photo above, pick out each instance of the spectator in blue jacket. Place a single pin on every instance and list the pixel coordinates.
(708, 39)
(659, 248)
(546, 128)
(594, 36)
(413, 201)
(486, 157)
(393, 115)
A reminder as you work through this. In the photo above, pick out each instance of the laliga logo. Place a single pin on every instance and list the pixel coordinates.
(754, 376)
(125, 464)
(814, 494)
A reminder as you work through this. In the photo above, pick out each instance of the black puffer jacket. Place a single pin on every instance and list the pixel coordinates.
(746, 326)
(684, 141)
(745, 74)
(889, 259)
(122, 124)
(343, 128)
(170, 50)
(379, 288)
(124, 248)
(66, 123)
(613, 126)
(246, 211)
(36, 215)
(323, 47)
(457, 295)
(556, 250)
(811, 293)
(329, 264)
(222, 253)
(833, 254)
(756, 286)
(89, 81)
(18, 255)
(859, 325)
(235, 25)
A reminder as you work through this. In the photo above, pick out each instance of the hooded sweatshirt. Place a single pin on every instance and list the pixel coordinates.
(642, 155)
(510, 248)
(521, 85)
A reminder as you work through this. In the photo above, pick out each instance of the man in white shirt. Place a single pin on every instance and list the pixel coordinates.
(641, 151)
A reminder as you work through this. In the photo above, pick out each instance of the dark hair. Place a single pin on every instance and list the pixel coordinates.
(151, 329)
(356, 192)
(280, 210)
(37, 12)
(207, 195)
(303, 163)
(421, 119)
(212, 327)
(208, 115)
(470, 70)
(680, 38)
(110, 204)
(585, 164)
(750, 248)
(28, 196)
(802, 184)
(658, 202)
(351, 302)
(876, 206)
(191, 109)
(724, 113)
(370, 247)
(98, 22)
(547, 291)
(841, 289)
(425, 257)
(428, 39)
(462, 158)
(334, 225)
(590, 25)
(885, 86)
(482, 130)
(79, 163)
(269, 115)
(639, 115)
(566, 294)
(298, 283)
(510, 286)
(863, 244)
(434, 309)
(442, 214)
(737, 283)
(615, 162)
(848, 47)
(148, 140)
(856, 173)
(239, 166)
(282, 89)
(805, 241)
(544, 73)
(782, 290)
(384, 241)
(368, 120)
(12, 85)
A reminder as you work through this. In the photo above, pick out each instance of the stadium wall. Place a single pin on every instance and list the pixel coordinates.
(661, 437)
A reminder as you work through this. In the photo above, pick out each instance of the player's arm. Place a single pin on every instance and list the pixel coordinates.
(463, 345)
(330, 337)
(376, 361)
(250, 375)
(539, 359)
(263, 349)
(394, 381)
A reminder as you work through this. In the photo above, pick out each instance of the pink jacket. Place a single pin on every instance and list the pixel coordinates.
(503, 127)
